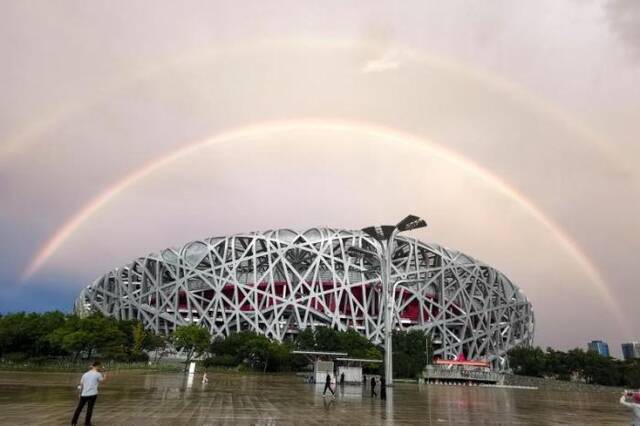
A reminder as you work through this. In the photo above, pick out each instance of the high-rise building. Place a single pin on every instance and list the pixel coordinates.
(599, 346)
(631, 350)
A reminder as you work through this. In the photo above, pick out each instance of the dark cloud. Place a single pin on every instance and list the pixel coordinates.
(39, 297)
(623, 18)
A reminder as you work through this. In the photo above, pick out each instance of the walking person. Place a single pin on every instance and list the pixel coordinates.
(334, 385)
(327, 385)
(373, 387)
(89, 392)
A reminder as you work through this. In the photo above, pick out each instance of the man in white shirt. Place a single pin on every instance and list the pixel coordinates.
(88, 392)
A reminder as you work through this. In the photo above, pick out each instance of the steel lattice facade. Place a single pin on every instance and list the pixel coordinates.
(281, 281)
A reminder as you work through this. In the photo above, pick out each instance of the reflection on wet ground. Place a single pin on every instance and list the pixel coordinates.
(136, 398)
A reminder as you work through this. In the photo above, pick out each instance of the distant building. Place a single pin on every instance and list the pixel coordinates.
(599, 346)
(631, 350)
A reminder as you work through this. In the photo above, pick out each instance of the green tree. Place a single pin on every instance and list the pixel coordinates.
(141, 340)
(126, 350)
(192, 339)
(253, 350)
(409, 353)
(157, 344)
(354, 343)
(327, 339)
(429, 347)
(601, 370)
(26, 335)
(558, 364)
(94, 333)
(36, 336)
(372, 353)
(15, 336)
(306, 340)
(139, 335)
(330, 340)
(575, 361)
(630, 371)
(528, 361)
(47, 324)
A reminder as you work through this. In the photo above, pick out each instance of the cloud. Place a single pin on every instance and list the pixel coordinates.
(623, 18)
(381, 52)
(388, 61)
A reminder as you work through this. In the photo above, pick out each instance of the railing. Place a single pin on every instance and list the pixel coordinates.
(433, 372)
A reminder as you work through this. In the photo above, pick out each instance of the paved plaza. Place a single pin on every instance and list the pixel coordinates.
(135, 398)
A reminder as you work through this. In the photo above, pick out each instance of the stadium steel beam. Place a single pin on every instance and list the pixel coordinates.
(385, 236)
(280, 282)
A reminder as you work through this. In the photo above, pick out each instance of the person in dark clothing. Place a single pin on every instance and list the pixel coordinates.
(327, 385)
(342, 379)
(383, 389)
(373, 387)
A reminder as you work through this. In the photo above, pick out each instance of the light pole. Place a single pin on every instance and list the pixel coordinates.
(385, 237)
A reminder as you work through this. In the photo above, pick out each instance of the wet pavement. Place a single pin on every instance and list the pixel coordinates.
(141, 398)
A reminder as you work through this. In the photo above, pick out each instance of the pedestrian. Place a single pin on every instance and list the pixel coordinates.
(89, 392)
(327, 385)
(342, 379)
(334, 385)
(383, 389)
(373, 387)
(205, 378)
(632, 400)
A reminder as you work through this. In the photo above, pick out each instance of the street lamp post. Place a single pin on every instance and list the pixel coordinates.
(385, 236)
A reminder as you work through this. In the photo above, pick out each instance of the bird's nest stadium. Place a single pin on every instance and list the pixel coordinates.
(279, 282)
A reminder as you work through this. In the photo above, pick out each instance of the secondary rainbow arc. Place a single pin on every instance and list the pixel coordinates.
(31, 134)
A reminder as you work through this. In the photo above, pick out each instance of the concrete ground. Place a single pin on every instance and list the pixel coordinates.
(136, 398)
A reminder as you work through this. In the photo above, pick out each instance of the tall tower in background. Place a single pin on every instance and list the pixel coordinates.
(631, 350)
(599, 346)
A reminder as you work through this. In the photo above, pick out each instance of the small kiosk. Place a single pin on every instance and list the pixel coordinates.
(323, 363)
(352, 368)
(326, 362)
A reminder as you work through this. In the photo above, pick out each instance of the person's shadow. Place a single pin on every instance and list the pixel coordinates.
(328, 403)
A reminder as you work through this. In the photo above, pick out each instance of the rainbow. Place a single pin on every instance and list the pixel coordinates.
(30, 135)
(322, 124)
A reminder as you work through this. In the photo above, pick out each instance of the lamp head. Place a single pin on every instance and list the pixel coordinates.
(411, 222)
(379, 233)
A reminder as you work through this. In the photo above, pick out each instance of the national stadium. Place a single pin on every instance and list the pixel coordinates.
(281, 281)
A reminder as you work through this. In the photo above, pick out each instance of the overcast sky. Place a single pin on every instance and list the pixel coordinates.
(511, 127)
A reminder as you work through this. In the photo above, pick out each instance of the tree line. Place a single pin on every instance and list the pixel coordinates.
(41, 337)
(247, 349)
(579, 364)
